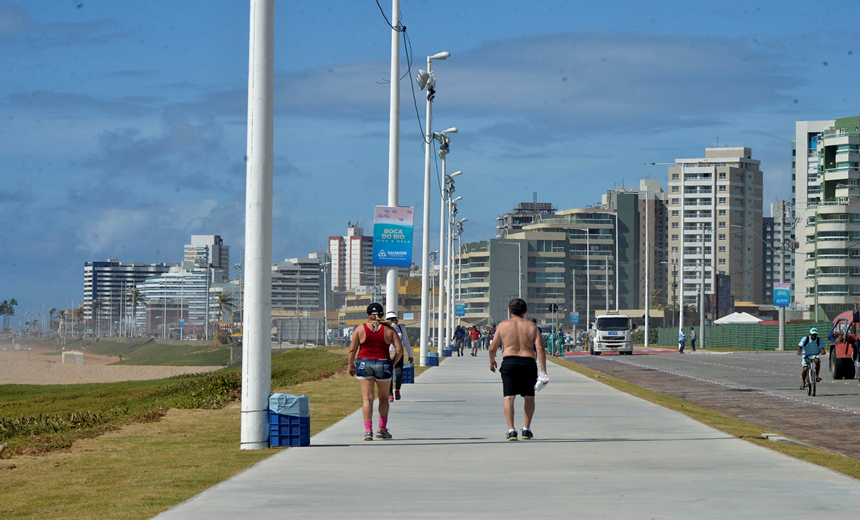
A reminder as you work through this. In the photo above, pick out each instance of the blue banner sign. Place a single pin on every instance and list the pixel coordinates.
(574, 318)
(392, 235)
(460, 308)
(781, 295)
(181, 323)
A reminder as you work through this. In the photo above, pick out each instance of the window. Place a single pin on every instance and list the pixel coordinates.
(721, 249)
(722, 200)
(722, 225)
(722, 236)
(722, 175)
(722, 188)
(674, 225)
(674, 201)
(674, 212)
(674, 176)
(674, 238)
(674, 189)
(674, 249)
(721, 262)
(722, 213)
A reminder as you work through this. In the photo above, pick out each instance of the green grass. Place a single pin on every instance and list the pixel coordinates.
(38, 418)
(144, 468)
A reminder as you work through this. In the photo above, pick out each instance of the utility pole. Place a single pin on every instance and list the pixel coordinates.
(391, 288)
(701, 336)
(647, 268)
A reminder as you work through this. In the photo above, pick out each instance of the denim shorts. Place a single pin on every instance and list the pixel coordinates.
(379, 369)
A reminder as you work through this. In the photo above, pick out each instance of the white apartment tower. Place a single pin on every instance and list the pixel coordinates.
(210, 250)
(715, 216)
(352, 260)
(805, 193)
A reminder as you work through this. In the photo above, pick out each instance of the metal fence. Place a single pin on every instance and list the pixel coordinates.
(750, 337)
(299, 331)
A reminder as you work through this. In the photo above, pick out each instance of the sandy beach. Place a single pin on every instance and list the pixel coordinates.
(42, 366)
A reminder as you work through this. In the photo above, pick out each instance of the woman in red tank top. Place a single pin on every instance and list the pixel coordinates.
(373, 367)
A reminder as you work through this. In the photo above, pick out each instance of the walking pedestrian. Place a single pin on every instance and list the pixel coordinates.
(476, 340)
(693, 338)
(522, 351)
(459, 334)
(394, 390)
(374, 368)
(681, 338)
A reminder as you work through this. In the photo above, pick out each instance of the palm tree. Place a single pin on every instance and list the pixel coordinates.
(225, 302)
(135, 297)
(51, 317)
(7, 310)
(96, 307)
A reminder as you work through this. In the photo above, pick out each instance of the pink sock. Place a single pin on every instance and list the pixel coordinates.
(383, 423)
(368, 425)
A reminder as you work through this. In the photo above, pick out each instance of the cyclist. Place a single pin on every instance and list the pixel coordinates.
(810, 347)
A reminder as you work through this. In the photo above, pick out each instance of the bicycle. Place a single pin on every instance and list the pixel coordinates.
(811, 377)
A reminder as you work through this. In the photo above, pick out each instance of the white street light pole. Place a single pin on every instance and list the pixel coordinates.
(391, 287)
(256, 325)
(426, 79)
(452, 213)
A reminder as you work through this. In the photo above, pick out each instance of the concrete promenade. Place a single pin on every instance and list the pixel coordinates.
(597, 453)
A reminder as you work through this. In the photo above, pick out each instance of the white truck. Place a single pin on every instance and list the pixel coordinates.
(610, 332)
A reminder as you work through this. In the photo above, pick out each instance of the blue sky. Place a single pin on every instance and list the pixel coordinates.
(123, 123)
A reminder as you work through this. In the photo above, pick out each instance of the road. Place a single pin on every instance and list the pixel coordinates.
(762, 388)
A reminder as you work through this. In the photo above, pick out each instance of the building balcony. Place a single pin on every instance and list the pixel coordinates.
(844, 173)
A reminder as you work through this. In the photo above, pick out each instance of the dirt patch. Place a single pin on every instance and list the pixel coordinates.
(43, 366)
(813, 425)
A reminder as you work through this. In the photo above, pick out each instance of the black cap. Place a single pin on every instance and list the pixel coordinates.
(375, 309)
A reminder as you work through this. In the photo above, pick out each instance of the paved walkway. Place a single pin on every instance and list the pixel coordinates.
(597, 453)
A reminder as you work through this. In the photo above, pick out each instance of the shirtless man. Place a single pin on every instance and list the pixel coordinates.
(521, 345)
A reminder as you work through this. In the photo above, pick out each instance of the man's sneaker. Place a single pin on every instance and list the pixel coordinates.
(384, 434)
(397, 394)
(511, 436)
(390, 398)
(368, 436)
(527, 434)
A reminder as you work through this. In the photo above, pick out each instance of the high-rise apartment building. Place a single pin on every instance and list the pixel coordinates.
(768, 259)
(656, 218)
(783, 245)
(831, 258)
(297, 285)
(352, 260)
(108, 281)
(715, 211)
(522, 215)
(210, 250)
(545, 263)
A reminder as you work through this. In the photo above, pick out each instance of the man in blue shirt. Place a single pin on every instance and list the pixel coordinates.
(811, 347)
(681, 338)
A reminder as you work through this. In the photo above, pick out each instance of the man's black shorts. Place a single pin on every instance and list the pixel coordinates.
(519, 375)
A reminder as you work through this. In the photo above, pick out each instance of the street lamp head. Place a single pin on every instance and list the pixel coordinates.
(456, 173)
(452, 130)
(425, 79)
(444, 55)
(456, 199)
(462, 220)
(650, 164)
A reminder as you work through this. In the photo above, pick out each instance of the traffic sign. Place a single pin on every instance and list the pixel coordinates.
(574, 318)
